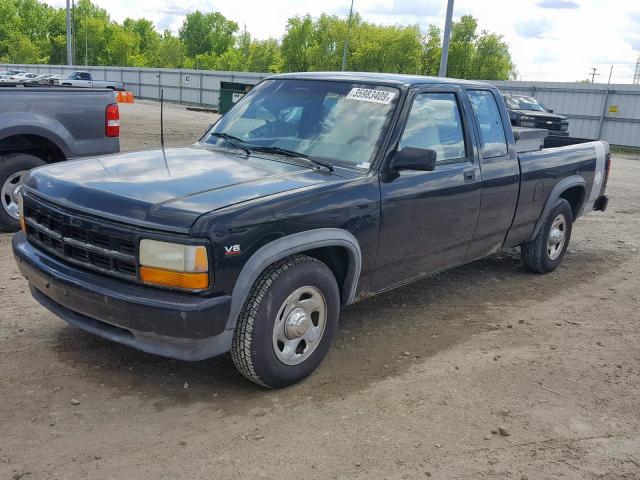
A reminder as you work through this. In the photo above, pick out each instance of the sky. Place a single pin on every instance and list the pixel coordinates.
(550, 40)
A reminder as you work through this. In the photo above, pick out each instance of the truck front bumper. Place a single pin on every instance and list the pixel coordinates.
(172, 324)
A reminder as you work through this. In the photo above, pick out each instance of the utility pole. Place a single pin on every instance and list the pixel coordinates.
(593, 74)
(73, 31)
(346, 43)
(69, 50)
(444, 55)
(86, 43)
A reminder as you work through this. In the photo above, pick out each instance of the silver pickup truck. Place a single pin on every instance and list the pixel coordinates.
(85, 80)
(41, 125)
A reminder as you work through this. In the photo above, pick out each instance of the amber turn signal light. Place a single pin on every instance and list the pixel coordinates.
(168, 278)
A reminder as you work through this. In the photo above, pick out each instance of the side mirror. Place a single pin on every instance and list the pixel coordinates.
(413, 158)
(550, 110)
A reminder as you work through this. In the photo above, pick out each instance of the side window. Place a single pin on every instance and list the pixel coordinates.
(494, 143)
(434, 123)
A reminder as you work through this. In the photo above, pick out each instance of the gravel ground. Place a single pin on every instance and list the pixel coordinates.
(485, 371)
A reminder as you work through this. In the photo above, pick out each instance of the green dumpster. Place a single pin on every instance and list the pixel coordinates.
(230, 93)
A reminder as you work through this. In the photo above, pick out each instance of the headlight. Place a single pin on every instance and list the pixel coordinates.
(527, 124)
(23, 226)
(174, 264)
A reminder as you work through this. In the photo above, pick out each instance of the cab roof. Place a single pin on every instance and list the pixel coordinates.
(392, 79)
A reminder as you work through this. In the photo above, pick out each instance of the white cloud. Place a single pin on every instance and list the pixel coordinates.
(549, 39)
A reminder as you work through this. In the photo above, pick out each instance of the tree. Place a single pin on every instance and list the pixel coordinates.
(431, 52)
(207, 33)
(492, 60)
(171, 53)
(149, 39)
(20, 49)
(125, 48)
(32, 31)
(485, 56)
(296, 42)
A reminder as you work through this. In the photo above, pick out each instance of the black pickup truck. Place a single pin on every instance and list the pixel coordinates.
(532, 113)
(315, 191)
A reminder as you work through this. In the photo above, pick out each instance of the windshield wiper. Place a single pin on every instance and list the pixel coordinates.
(233, 141)
(290, 153)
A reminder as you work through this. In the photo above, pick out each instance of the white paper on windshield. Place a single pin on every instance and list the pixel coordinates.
(370, 95)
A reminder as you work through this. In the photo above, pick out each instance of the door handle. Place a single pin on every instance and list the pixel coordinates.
(469, 176)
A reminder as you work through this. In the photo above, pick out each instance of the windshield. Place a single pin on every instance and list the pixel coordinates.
(334, 122)
(525, 103)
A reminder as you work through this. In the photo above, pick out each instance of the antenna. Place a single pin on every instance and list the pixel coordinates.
(162, 118)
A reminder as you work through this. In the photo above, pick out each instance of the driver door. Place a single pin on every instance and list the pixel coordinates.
(429, 218)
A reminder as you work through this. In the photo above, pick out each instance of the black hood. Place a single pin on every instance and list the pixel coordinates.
(167, 189)
(540, 115)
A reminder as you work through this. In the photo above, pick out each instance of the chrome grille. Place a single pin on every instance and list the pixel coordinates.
(80, 239)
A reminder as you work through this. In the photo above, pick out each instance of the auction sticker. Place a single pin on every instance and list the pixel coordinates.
(370, 95)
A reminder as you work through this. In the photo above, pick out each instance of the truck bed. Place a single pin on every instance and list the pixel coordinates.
(563, 162)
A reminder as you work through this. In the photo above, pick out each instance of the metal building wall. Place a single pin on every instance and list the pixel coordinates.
(588, 106)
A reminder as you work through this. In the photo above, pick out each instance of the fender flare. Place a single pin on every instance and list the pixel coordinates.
(30, 124)
(290, 245)
(556, 192)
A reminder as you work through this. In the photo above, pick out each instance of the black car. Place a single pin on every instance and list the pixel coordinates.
(315, 191)
(530, 112)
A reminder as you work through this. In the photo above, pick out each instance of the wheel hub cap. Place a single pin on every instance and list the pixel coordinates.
(9, 194)
(557, 235)
(297, 324)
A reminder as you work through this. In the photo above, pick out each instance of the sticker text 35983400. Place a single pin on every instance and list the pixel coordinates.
(370, 95)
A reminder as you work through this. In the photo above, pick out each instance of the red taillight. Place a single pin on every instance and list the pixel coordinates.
(112, 121)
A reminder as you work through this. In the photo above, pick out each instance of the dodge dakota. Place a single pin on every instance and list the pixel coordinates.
(314, 191)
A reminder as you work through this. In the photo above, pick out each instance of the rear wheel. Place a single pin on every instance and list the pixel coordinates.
(287, 323)
(546, 251)
(13, 167)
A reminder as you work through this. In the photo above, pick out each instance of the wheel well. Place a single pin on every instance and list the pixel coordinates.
(336, 258)
(34, 144)
(575, 196)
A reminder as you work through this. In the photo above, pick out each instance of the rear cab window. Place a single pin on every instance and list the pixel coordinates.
(493, 142)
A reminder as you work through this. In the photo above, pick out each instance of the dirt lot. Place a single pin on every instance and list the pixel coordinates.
(417, 383)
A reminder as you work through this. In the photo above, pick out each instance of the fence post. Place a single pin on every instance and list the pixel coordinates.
(603, 113)
(200, 90)
(180, 87)
(159, 83)
(139, 82)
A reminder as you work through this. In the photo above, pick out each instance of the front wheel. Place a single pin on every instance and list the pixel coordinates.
(546, 251)
(287, 323)
(13, 167)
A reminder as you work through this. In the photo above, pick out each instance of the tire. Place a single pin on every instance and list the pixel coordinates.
(539, 255)
(259, 351)
(12, 167)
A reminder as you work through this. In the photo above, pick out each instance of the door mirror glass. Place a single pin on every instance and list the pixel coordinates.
(414, 158)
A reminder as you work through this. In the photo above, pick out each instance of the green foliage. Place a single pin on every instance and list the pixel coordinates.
(33, 32)
(207, 33)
